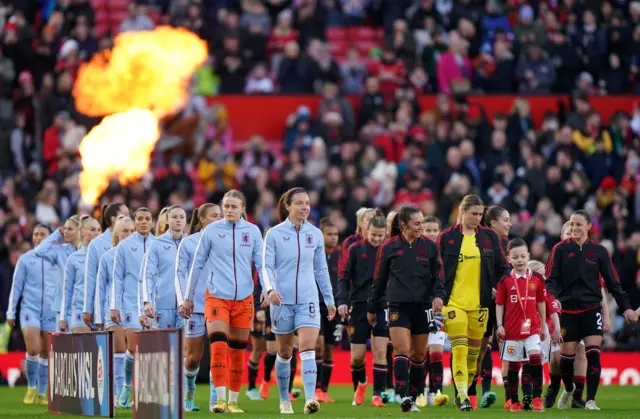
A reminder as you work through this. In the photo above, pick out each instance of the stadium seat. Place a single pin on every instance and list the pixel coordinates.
(336, 34)
(102, 17)
(101, 29)
(116, 18)
(119, 5)
(99, 5)
(365, 47)
(338, 48)
(362, 33)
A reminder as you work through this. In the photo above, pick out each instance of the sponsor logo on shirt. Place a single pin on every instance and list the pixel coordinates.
(464, 258)
(286, 238)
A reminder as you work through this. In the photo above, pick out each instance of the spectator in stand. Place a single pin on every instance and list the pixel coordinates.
(591, 43)
(529, 30)
(566, 61)
(332, 101)
(355, 11)
(493, 21)
(535, 73)
(232, 66)
(390, 72)
(294, 71)
(87, 43)
(403, 43)
(217, 171)
(259, 81)
(454, 67)
(353, 73)
(137, 19)
(282, 33)
(324, 68)
(310, 21)
(255, 14)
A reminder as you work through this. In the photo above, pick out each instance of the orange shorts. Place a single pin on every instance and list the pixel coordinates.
(238, 314)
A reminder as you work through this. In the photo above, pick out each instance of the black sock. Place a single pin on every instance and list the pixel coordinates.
(379, 378)
(514, 369)
(294, 367)
(535, 365)
(487, 370)
(358, 375)
(327, 369)
(593, 371)
(401, 373)
(472, 386)
(389, 365)
(319, 369)
(527, 389)
(555, 380)
(566, 370)
(435, 372)
(269, 363)
(579, 381)
(253, 374)
(416, 377)
(507, 388)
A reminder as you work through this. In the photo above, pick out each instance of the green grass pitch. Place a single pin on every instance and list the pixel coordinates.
(615, 402)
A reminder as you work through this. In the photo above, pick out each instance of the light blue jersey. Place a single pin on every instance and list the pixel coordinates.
(224, 257)
(104, 281)
(158, 272)
(184, 261)
(73, 288)
(95, 250)
(55, 251)
(126, 286)
(33, 280)
(294, 261)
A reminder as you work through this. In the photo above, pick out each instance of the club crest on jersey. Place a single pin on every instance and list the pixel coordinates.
(245, 240)
(421, 251)
(511, 350)
(591, 254)
(532, 286)
(394, 317)
(563, 331)
(451, 315)
(192, 326)
(486, 243)
(308, 239)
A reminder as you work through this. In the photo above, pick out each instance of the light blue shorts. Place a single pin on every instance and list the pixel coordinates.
(287, 318)
(167, 319)
(46, 322)
(77, 319)
(195, 326)
(130, 320)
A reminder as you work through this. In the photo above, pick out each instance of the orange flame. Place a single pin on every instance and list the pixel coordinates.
(143, 78)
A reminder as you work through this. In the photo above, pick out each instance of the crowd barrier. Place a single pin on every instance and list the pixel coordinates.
(158, 374)
(81, 374)
(266, 115)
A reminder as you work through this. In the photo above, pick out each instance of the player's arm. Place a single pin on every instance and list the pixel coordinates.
(258, 261)
(501, 298)
(437, 273)
(380, 278)
(149, 275)
(553, 270)
(200, 256)
(606, 319)
(17, 287)
(90, 274)
(48, 247)
(181, 269)
(345, 275)
(321, 272)
(101, 281)
(117, 280)
(610, 277)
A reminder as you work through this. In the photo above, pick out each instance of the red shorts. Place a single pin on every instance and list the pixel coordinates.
(235, 313)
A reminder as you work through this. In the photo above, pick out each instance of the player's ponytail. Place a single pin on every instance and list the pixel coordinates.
(162, 224)
(492, 214)
(359, 217)
(402, 217)
(378, 220)
(285, 200)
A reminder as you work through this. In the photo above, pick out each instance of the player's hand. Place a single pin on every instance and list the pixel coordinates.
(274, 298)
(115, 316)
(264, 300)
(630, 316)
(559, 305)
(343, 311)
(437, 304)
(188, 307)
(99, 326)
(493, 293)
(606, 323)
(148, 309)
(144, 321)
(88, 319)
(182, 312)
(11, 323)
(543, 333)
(332, 312)
(556, 337)
(64, 325)
(261, 316)
(371, 318)
(501, 332)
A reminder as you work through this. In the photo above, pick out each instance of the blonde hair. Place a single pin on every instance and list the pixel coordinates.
(120, 223)
(360, 215)
(161, 225)
(76, 219)
(83, 221)
(534, 265)
(565, 227)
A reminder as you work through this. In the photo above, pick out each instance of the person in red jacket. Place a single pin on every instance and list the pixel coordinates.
(51, 143)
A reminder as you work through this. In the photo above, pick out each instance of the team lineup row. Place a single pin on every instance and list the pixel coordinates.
(402, 279)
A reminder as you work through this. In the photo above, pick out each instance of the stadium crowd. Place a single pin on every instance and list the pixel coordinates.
(389, 154)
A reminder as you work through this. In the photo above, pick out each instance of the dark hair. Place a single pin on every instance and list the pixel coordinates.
(40, 225)
(518, 242)
(379, 220)
(325, 222)
(403, 216)
(285, 200)
(493, 213)
(195, 225)
(141, 209)
(109, 211)
(584, 214)
(84, 218)
(432, 219)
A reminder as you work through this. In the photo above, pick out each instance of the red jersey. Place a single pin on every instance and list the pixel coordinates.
(552, 307)
(514, 294)
(390, 76)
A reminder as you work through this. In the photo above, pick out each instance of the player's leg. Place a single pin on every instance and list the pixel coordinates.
(592, 329)
(579, 376)
(532, 347)
(571, 333)
(283, 326)
(269, 358)
(359, 334)
(240, 321)
(379, 346)
(307, 325)
(47, 325)
(195, 336)
(400, 334)
(217, 315)
(33, 343)
(457, 327)
(320, 348)
(436, 370)
(489, 399)
(258, 348)
(391, 389)
(511, 355)
(119, 356)
(418, 359)
(476, 329)
(555, 379)
(487, 369)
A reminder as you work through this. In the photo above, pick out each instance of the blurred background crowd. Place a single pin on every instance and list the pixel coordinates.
(383, 54)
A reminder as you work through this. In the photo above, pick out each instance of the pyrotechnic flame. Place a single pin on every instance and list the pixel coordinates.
(144, 78)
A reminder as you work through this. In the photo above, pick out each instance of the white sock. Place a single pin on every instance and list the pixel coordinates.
(233, 396)
(221, 392)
